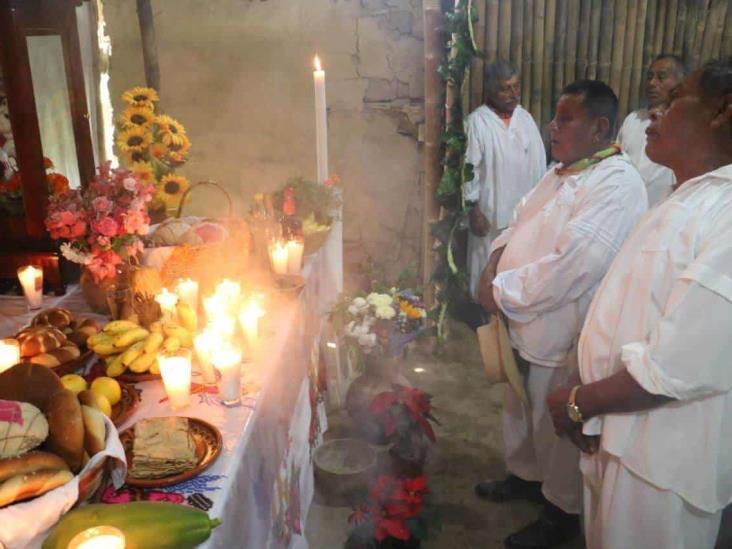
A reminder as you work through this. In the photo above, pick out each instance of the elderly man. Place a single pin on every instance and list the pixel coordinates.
(655, 350)
(508, 158)
(664, 74)
(549, 262)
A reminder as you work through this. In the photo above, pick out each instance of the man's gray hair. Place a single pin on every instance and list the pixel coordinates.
(498, 72)
(678, 62)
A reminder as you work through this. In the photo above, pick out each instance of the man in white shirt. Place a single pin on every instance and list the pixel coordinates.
(549, 262)
(508, 158)
(664, 74)
(654, 355)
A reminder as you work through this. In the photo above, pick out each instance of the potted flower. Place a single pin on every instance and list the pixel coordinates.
(395, 514)
(101, 226)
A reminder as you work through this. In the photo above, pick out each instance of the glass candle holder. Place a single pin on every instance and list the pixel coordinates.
(205, 343)
(9, 353)
(175, 368)
(187, 291)
(278, 257)
(227, 360)
(98, 537)
(31, 278)
(294, 255)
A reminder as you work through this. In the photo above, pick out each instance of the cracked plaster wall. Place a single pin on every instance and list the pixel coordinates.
(238, 75)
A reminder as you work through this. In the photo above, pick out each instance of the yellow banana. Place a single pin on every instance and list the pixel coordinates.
(114, 366)
(125, 339)
(153, 342)
(174, 330)
(100, 338)
(155, 368)
(171, 344)
(118, 326)
(157, 327)
(143, 362)
(105, 349)
(133, 352)
(187, 316)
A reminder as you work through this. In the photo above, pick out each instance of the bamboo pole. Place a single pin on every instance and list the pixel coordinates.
(504, 30)
(594, 39)
(517, 35)
(560, 50)
(548, 60)
(433, 84)
(710, 29)
(661, 29)
(727, 34)
(636, 79)
(570, 65)
(537, 73)
(477, 68)
(679, 25)
(651, 31)
(528, 68)
(671, 20)
(491, 29)
(623, 90)
(616, 60)
(700, 22)
(719, 18)
(606, 41)
(149, 43)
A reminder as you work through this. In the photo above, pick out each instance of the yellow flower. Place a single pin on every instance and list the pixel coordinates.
(178, 153)
(172, 189)
(141, 97)
(158, 150)
(135, 156)
(172, 131)
(137, 117)
(134, 139)
(144, 171)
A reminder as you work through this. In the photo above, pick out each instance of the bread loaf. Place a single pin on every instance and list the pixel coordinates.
(29, 463)
(81, 330)
(29, 383)
(66, 428)
(94, 430)
(59, 356)
(39, 339)
(18, 437)
(56, 317)
(27, 486)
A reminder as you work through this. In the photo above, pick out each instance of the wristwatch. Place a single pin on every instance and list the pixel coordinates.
(573, 410)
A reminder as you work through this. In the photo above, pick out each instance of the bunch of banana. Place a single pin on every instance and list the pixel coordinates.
(126, 345)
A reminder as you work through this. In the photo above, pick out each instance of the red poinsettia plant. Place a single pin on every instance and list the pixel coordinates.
(396, 513)
(102, 224)
(404, 416)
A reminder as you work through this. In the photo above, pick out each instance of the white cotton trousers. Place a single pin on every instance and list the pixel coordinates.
(532, 450)
(479, 252)
(622, 511)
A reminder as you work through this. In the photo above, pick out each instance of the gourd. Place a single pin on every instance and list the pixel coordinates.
(17, 439)
(145, 524)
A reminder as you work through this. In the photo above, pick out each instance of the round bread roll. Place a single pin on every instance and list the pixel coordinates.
(17, 438)
(81, 330)
(29, 463)
(94, 430)
(30, 485)
(56, 317)
(66, 428)
(29, 383)
(39, 339)
(59, 356)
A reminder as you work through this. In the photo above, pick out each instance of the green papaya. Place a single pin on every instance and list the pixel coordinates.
(145, 524)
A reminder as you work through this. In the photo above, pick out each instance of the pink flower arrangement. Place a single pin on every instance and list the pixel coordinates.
(103, 223)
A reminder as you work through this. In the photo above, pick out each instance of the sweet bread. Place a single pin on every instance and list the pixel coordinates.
(59, 356)
(24, 433)
(81, 330)
(30, 462)
(56, 317)
(39, 339)
(29, 485)
(66, 428)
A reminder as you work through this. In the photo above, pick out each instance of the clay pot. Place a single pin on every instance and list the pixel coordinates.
(380, 375)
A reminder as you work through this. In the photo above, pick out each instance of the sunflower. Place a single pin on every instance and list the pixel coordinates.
(171, 190)
(135, 156)
(134, 139)
(158, 150)
(141, 97)
(137, 117)
(178, 153)
(144, 172)
(172, 131)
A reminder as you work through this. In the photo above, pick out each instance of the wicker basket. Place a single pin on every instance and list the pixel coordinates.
(208, 263)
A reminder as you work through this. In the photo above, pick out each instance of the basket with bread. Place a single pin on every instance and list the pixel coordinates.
(56, 339)
(56, 449)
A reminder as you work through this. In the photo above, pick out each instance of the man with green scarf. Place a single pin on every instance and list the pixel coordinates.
(542, 274)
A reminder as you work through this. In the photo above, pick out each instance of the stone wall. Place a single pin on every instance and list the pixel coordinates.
(238, 75)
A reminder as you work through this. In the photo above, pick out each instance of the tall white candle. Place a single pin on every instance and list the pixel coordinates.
(321, 121)
(294, 256)
(249, 317)
(167, 301)
(175, 368)
(31, 278)
(204, 343)
(278, 254)
(9, 353)
(227, 360)
(187, 291)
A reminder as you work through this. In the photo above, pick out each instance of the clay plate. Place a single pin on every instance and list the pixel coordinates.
(126, 405)
(129, 377)
(208, 446)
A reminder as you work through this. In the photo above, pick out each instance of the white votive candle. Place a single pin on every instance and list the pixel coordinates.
(31, 278)
(204, 343)
(278, 254)
(187, 291)
(167, 301)
(9, 353)
(249, 316)
(98, 537)
(294, 256)
(227, 360)
(175, 368)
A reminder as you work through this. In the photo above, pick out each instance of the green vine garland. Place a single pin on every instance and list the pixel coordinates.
(450, 276)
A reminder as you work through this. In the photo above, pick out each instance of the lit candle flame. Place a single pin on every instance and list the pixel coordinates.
(317, 64)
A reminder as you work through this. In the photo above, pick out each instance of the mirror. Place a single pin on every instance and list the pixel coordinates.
(51, 93)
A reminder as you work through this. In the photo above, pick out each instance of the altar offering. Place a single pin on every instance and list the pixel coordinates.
(227, 360)
(175, 367)
(9, 353)
(31, 278)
